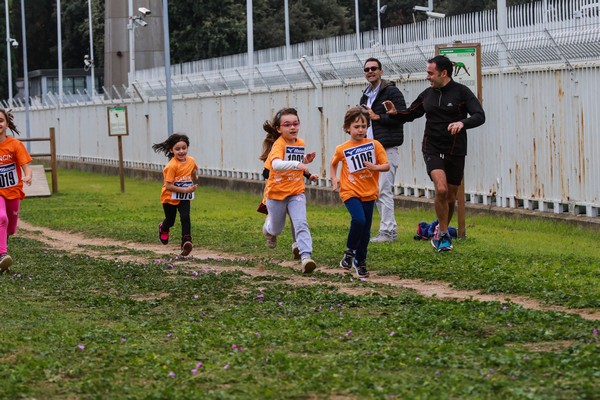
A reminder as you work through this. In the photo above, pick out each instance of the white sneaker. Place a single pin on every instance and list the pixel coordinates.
(382, 238)
(308, 265)
(6, 261)
(295, 251)
(271, 239)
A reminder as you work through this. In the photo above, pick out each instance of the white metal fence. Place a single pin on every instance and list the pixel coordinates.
(538, 149)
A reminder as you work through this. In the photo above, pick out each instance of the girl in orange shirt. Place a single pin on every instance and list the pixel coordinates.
(362, 159)
(285, 158)
(178, 190)
(13, 158)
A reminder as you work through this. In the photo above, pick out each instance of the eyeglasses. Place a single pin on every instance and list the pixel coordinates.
(372, 69)
(287, 125)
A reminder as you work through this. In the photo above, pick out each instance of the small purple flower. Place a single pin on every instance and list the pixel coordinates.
(123, 340)
(280, 303)
(349, 332)
(196, 296)
(504, 308)
(257, 334)
(81, 347)
(226, 366)
(595, 332)
(417, 358)
(234, 346)
(172, 374)
(392, 333)
(169, 334)
(194, 371)
(199, 364)
(437, 372)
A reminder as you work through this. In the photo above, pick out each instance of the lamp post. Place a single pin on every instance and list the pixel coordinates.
(380, 10)
(357, 25)
(9, 43)
(91, 55)
(133, 21)
(288, 52)
(168, 67)
(59, 35)
(25, 71)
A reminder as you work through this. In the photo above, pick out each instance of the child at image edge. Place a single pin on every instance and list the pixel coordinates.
(178, 189)
(284, 190)
(13, 158)
(362, 159)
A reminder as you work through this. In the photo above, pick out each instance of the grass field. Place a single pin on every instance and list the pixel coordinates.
(77, 326)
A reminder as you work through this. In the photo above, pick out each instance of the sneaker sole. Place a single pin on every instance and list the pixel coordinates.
(359, 275)
(348, 268)
(6, 262)
(187, 248)
(309, 267)
(296, 253)
(160, 233)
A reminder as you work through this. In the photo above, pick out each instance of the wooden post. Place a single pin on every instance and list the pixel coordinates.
(121, 171)
(53, 172)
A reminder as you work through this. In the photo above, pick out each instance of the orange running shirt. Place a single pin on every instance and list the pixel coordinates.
(355, 179)
(282, 184)
(13, 155)
(180, 173)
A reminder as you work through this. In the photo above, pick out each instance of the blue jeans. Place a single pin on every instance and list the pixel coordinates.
(360, 226)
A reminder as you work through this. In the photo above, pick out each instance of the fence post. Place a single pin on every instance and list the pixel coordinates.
(53, 161)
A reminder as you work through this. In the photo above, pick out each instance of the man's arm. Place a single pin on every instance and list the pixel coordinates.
(476, 114)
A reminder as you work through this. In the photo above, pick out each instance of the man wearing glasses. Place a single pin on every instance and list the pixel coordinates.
(390, 133)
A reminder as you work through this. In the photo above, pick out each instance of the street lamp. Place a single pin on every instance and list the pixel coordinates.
(134, 20)
(10, 42)
(380, 10)
(88, 60)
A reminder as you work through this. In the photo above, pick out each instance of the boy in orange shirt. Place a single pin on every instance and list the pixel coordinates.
(362, 159)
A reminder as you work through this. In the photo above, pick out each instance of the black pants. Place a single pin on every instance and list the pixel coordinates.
(184, 217)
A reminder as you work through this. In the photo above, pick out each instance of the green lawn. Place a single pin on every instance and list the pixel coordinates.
(79, 327)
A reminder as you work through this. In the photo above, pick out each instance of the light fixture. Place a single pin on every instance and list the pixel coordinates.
(13, 43)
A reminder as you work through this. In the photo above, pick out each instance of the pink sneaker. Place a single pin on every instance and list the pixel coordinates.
(163, 236)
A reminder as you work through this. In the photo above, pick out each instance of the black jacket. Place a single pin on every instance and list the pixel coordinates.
(387, 131)
(451, 103)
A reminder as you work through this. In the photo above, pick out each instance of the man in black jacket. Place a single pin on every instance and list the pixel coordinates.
(389, 132)
(450, 108)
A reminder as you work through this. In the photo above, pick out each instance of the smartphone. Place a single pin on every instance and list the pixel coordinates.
(387, 105)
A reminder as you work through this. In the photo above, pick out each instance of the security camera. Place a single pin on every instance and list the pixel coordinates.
(87, 61)
(140, 22)
(13, 43)
(144, 11)
(435, 15)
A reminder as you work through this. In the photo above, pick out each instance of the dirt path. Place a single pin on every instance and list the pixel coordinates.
(209, 260)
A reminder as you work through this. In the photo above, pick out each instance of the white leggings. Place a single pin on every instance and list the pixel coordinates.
(295, 206)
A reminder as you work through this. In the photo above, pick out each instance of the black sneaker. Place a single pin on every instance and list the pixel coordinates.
(361, 269)
(163, 236)
(347, 260)
(186, 245)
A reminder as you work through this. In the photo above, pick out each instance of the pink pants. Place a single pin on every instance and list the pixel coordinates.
(9, 216)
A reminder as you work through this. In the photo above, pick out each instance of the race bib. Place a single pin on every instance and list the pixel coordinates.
(183, 196)
(356, 156)
(294, 153)
(8, 175)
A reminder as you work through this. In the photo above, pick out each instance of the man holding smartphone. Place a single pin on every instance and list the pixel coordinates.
(390, 133)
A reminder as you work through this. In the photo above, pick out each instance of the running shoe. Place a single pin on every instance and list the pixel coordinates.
(5, 262)
(308, 265)
(347, 260)
(163, 236)
(296, 251)
(271, 239)
(186, 246)
(361, 269)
